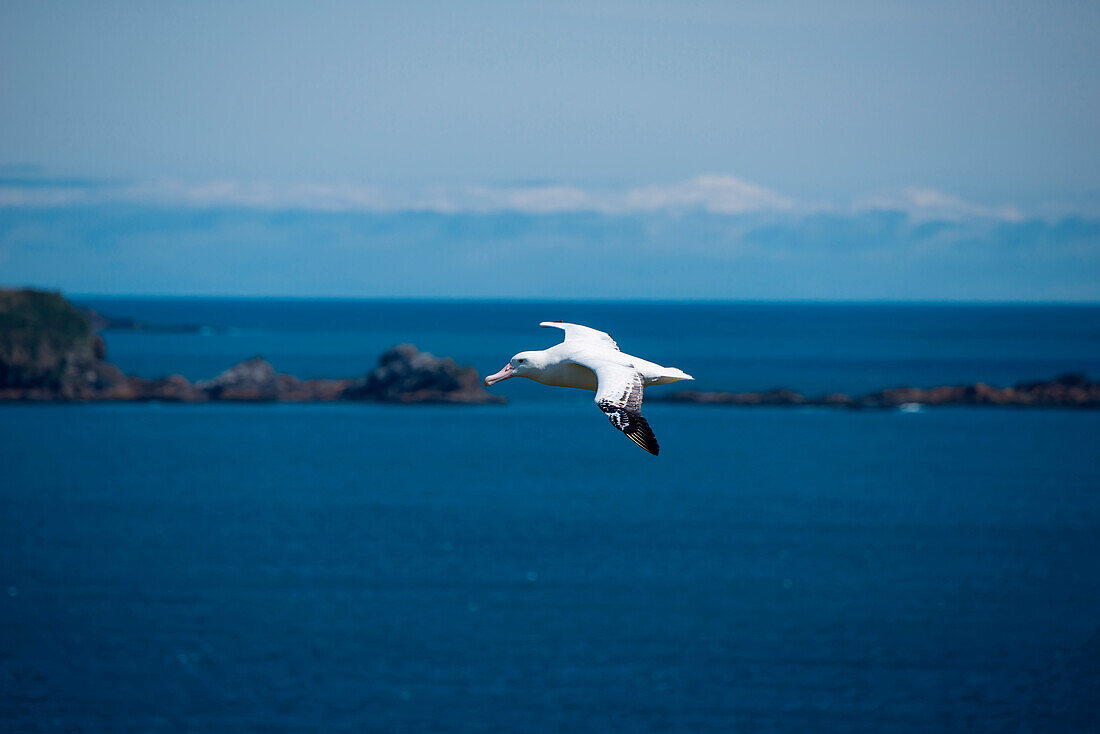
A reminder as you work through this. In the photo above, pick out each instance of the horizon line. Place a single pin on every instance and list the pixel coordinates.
(582, 300)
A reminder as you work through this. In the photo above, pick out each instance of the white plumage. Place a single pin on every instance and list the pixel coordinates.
(589, 359)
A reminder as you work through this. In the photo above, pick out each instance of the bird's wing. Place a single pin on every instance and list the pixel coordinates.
(619, 395)
(578, 333)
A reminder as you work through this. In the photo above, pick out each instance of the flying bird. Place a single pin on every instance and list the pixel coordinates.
(590, 360)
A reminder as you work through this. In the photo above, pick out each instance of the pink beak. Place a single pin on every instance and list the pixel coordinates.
(504, 374)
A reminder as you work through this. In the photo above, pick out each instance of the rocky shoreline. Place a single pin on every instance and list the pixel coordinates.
(49, 352)
(1066, 391)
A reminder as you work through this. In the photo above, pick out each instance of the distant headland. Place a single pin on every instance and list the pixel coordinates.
(50, 351)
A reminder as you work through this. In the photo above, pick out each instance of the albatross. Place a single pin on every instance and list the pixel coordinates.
(588, 359)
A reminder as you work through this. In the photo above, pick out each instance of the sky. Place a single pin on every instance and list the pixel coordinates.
(849, 150)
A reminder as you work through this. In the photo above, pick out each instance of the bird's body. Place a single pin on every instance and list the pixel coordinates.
(567, 367)
(590, 360)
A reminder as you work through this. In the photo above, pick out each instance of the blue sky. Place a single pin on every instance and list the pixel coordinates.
(694, 150)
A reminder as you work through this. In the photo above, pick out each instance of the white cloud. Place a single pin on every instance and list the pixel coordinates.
(719, 194)
(526, 199)
(715, 193)
(929, 204)
(14, 197)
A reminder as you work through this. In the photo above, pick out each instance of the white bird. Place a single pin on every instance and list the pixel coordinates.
(590, 360)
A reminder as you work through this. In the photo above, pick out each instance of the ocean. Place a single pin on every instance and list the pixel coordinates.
(347, 567)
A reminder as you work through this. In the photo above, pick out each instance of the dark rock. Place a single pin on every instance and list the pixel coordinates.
(1067, 391)
(406, 375)
(254, 379)
(403, 375)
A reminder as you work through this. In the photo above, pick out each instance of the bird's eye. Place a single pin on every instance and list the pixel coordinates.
(520, 361)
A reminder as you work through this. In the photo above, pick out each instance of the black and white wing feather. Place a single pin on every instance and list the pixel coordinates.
(619, 395)
(578, 333)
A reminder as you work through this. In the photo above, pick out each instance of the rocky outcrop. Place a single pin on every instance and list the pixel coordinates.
(1067, 391)
(48, 350)
(403, 375)
(253, 379)
(407, 375)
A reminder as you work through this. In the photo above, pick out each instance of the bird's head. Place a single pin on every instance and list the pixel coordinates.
(523, 364)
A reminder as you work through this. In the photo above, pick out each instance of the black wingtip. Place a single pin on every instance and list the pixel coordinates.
(643, 436)
(632, 424)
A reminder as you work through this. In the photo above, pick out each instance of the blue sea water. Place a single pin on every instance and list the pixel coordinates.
(525, 568)
(811, 347)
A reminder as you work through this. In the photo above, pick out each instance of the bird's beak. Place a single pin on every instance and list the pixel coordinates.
(504, 374)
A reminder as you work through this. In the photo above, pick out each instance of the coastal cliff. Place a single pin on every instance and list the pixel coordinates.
(48, 349)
